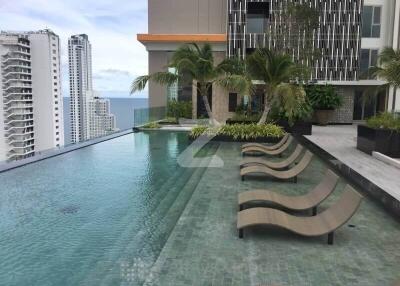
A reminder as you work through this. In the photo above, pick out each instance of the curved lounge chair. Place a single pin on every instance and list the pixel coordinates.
(269, 147)
(296, 203)
(284, 175)
(324, 223)
(251, 161)
(264, 150)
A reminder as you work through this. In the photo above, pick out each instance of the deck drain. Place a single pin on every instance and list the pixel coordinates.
(69, 210)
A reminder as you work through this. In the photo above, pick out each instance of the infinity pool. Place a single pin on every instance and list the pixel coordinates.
(96, 216)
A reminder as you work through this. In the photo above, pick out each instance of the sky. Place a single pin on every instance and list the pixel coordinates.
(111, 25)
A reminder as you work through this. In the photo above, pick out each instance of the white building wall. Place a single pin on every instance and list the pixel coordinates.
(46, 81)
(81, 86)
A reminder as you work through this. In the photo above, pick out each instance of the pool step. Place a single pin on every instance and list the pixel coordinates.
(166, 207)
(159, 203)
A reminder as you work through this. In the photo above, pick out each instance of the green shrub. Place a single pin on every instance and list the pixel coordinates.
(323, 97)
(179, 109)
(384, 121)
(239, 131)
(152, 125)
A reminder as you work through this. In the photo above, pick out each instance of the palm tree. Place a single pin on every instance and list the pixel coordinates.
(273, 69)
(389, 69)
(237, 73)
(196, 64)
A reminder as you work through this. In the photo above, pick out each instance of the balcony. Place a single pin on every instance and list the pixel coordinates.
(17, 84)
(16, 59)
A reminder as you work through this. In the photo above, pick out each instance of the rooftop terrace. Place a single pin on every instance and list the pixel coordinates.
(204, 249)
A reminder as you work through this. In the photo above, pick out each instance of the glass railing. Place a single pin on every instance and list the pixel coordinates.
(147, 115)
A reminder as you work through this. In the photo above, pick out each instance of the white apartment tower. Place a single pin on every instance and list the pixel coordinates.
(101, 121)
(90, 114)
(81, 85)
(31, 111)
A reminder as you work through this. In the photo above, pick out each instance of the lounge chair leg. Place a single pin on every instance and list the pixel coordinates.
(241, 233)
(242, 178)
(330, 238)
(314, 211)
(295, 180)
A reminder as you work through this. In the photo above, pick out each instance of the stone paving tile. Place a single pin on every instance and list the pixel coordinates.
(204, 249)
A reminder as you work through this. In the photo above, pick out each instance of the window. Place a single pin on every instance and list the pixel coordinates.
(257, 17)
(369, 58)
(232, 102)
(371, 22)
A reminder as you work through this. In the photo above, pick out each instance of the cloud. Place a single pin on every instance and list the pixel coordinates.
(111, 26)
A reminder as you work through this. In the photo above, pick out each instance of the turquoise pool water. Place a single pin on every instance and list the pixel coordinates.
(96, 216)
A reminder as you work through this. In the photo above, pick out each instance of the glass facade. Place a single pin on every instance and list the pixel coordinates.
(371, 22)
(369, 58)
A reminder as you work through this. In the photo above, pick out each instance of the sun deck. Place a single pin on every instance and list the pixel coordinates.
(204, 248)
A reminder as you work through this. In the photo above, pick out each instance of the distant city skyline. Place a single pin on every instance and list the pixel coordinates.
(111, 26)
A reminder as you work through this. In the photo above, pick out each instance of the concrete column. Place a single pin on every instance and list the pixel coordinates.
(394, 97)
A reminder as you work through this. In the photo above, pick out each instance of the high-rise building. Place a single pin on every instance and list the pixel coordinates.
(80, 85)
(101, 121)
(90, 115)
(349, 36)
(31, 107)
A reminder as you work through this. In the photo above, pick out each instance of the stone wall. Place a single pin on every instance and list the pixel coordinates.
(344, 115)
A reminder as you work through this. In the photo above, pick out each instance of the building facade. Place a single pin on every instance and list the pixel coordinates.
(101, 121)
(90, 114)
(347, 39)
(80, 85)
(31, 107)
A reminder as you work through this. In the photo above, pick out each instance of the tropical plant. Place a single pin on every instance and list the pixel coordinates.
(152, 125)
(179, 109)
(389, 69)
(384, 120)
(273, 69)
(240, 131)
(323, 97)
(196, 64)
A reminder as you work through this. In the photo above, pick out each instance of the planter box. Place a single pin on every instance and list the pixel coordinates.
(232, 122)
(224, 138)
(383, 141)
(299, 128)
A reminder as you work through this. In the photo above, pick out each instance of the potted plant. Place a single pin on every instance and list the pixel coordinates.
(292, 110)
(324, 100)
(381, 134)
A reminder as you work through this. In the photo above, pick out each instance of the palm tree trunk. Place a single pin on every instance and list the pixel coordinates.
(204, 95)
(266, 110)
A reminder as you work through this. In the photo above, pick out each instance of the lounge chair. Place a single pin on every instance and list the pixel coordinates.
(326, 222)
(283, 175)
(296, 203)
(269, 147)
(251, 161)
(264, 150)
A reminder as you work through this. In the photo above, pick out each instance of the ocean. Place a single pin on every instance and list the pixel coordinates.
(122, 108)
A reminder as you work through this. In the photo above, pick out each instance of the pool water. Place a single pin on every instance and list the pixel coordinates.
(96, 216)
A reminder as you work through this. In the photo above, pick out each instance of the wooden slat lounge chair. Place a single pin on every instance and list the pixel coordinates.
(269, 147)
(324, 223)
(263, 150)
(296, 203)
(283, 175)
(251, 161)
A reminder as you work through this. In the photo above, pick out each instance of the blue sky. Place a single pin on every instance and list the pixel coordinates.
(111, 26)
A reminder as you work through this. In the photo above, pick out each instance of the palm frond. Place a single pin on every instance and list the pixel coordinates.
(236, 83)
(139, 83)
(164, 78)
